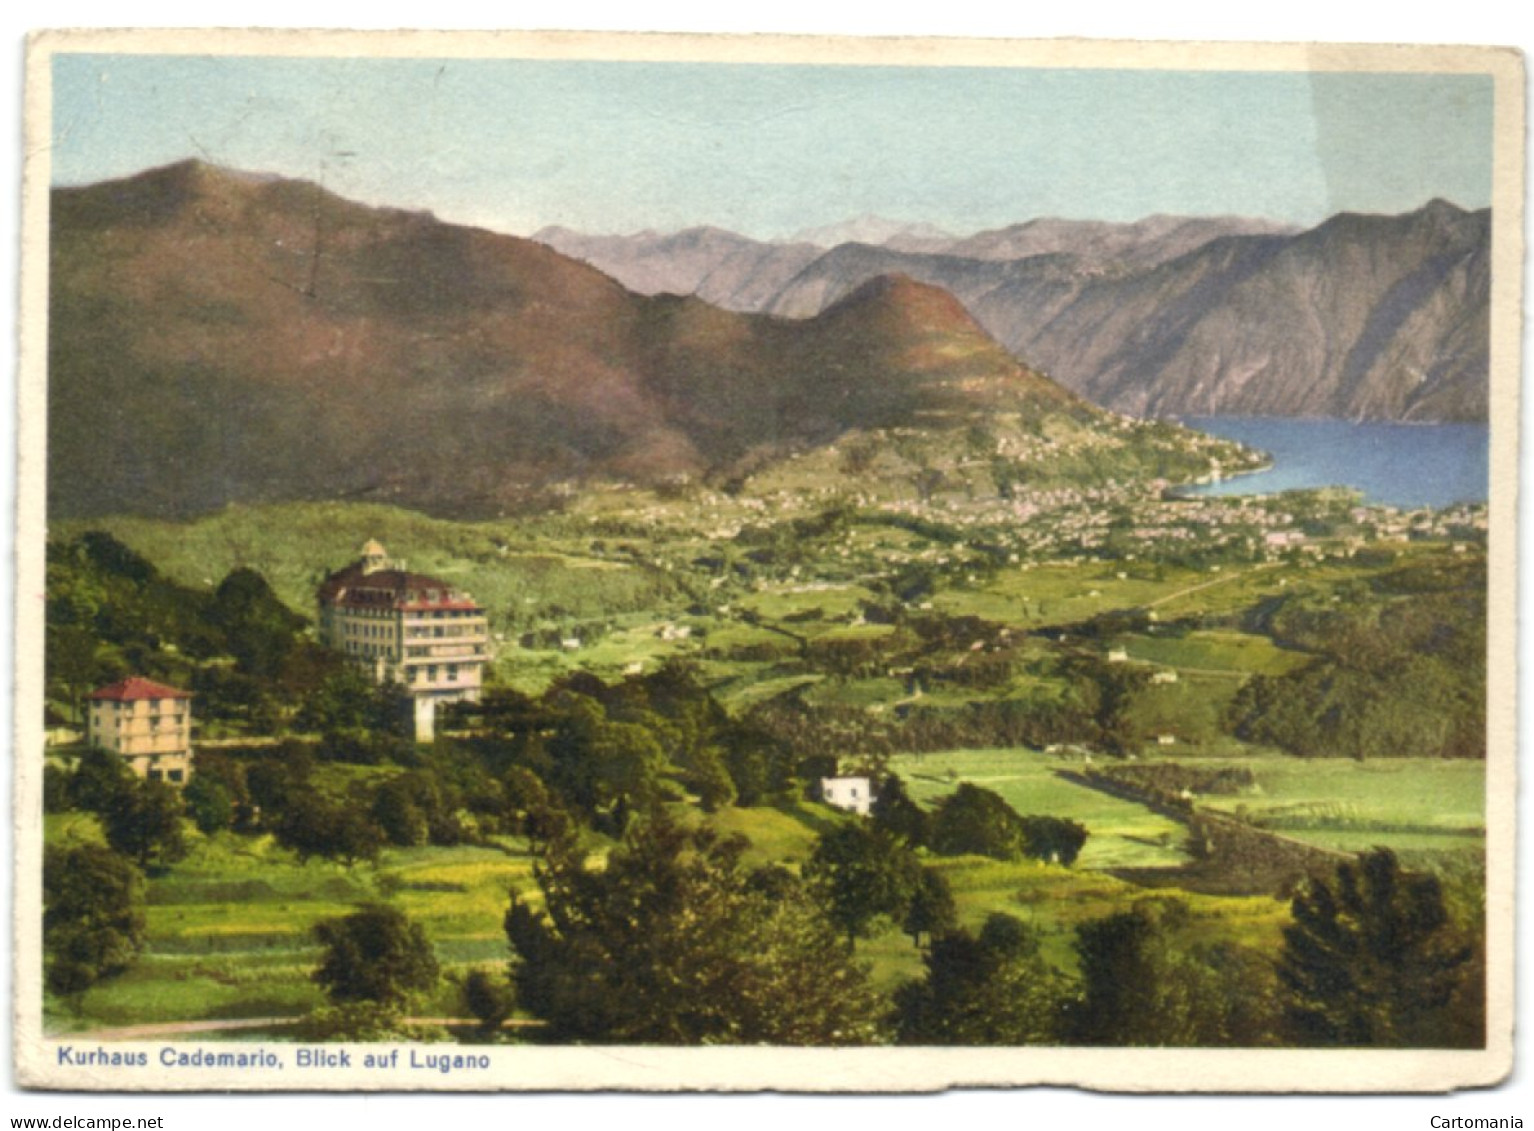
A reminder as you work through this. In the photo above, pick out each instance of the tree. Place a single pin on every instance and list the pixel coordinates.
(272, 782)
(761, 768)
(489, 999)
(313, 826)
(93, 916)
(348, 701)
(973, 821)
(994, 989)
(259, 629)
(895, 811)
(1055, 839)
(673, 942)
(375, 954)
(209, 803)
(862, 873)
(707, 774)
(976, 821)
(143, 822)
(56, 781)
(931, 911)
(603, 769)
(532, 811)
(1144, 985)
(220, 780)
(1371, 958)
(70, 662)
(115, 558)
(99, 778)
(398, 813)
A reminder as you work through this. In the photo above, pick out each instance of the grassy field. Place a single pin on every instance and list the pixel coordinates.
(1414, 805)
(1242, 653)
(1040, 596)
(1120, 833)
(228, 932)
(1054, 901)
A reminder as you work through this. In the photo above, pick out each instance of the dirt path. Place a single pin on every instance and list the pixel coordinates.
(167, 1029)
(1207, 584)
(181, 1028)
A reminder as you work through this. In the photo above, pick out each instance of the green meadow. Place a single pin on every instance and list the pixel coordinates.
(1215, 651)
(1418, 806)
(1122, 833)
(229, 928)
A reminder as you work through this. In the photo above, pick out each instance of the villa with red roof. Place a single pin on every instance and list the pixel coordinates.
(420, 632)
(147, 724)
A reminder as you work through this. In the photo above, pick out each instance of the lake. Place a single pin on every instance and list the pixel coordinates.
(1403, 465)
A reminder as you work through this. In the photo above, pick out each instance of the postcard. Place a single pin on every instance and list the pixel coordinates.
(556, 562)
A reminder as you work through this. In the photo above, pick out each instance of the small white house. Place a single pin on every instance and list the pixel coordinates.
(853, 794)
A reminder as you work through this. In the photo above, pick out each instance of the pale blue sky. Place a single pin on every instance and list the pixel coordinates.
(768, 150)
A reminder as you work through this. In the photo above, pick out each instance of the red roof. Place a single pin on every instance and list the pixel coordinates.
(137, 687)
(355, 587)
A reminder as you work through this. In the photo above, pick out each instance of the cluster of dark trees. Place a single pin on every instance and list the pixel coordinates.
(93, 916)
(1401, 669)
(862, 874)
(94, 895)
(598, 753)
(674, 940)
(111, 613)
(974, 821)
(141, 819)
(1169, 781)
(583, 755)
(1081, 712)
(375, 964)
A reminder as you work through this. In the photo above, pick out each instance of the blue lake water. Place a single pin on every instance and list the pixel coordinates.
(1403, 465)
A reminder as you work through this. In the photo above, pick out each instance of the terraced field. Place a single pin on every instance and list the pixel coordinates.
(228, 932)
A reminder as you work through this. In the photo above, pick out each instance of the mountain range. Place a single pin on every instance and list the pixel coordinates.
(217, 337)
(1363, 316)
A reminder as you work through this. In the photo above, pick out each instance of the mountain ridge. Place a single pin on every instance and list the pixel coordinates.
(1162, 316)
(219, 338)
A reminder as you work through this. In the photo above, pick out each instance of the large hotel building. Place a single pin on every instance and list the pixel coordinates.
(407, 628)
